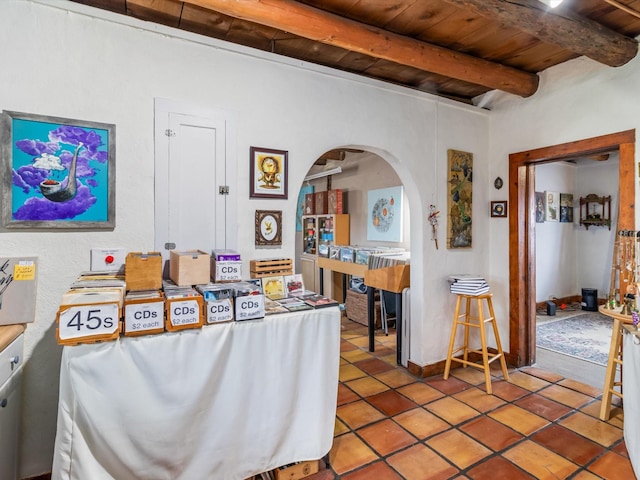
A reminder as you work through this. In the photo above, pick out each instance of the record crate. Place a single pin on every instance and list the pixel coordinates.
(270, 268)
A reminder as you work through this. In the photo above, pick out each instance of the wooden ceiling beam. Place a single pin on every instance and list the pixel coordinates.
(559, 26)
(324, 27)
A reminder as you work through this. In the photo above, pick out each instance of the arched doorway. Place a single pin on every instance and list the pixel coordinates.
(522, 301)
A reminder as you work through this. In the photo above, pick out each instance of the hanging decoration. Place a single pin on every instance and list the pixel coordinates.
(433, 220)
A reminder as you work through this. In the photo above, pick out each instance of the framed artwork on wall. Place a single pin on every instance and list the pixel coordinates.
(268, 227)
(384, 214)
(540, 211)
(499, 208)
(552, 206)
(566, 207)
(269, 173)
(56, 173)
(459, 199)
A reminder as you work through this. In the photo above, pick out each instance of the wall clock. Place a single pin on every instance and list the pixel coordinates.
(268, 227)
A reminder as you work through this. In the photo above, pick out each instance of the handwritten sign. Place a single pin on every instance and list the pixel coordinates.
(23, 271)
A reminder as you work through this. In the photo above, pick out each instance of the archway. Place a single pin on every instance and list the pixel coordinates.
(522, 301)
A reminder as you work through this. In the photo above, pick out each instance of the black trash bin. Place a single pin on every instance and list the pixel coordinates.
(590, 299)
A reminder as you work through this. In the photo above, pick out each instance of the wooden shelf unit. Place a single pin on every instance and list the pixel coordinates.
(595, 210)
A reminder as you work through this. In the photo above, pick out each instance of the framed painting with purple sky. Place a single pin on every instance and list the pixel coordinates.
(56, 173)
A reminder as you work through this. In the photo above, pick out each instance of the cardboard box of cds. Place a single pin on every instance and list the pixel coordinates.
(249, 300)
(218, 303)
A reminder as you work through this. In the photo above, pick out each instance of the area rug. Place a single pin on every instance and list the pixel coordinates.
(586, 336)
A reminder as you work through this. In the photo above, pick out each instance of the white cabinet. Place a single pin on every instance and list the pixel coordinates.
(10, 407)
(309, 270)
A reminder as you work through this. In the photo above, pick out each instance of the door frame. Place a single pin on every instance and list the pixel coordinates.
(522, 222)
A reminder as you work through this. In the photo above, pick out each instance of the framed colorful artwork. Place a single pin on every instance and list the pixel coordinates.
(268, 227)
(269, 173)
(56, 173)
(459, 199)
(384, 214)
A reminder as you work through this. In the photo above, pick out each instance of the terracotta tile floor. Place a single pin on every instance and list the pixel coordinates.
(391, 425)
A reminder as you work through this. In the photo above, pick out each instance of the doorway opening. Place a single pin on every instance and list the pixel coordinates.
(522, 220)
(359, 175)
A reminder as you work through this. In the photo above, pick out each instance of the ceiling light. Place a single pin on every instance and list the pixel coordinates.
(552, 3)
(324, 173)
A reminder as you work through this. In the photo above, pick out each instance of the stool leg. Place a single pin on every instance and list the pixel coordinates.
(610, 375)
(503, 363)
(483, 340)
(452, 340)
(467, 318)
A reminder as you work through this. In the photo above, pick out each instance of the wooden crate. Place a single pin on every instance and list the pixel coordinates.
(184, 313)
(191, 267)
(269, 268)
(297, 471)
(143, 271)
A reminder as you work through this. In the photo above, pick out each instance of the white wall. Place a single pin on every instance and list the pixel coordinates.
(594, 247)
(568, 256)
(91, 65)
(556, 256)
(577, 100)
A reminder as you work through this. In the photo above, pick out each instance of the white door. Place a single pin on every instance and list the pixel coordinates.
(194, 201)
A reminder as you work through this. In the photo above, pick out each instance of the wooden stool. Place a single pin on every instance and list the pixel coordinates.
(615, 359)
(465, 318)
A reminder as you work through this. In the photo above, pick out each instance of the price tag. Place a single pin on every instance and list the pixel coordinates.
(139, 317)
(25, 270)
(184, 313)
(98, 320)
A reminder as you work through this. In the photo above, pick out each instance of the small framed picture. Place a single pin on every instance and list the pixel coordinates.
(268, 227)
(269, 173)
(499, 208)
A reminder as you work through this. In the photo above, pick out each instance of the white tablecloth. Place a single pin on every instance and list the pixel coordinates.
(631, 405)
(223, 402)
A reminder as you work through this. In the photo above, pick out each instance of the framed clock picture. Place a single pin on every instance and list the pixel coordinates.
(268, 227)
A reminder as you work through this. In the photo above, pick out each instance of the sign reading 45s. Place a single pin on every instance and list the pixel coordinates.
(99, 321)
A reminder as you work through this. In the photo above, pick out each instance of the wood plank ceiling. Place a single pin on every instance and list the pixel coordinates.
(458, 49)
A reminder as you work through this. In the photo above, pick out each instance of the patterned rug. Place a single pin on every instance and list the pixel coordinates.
(586, 336)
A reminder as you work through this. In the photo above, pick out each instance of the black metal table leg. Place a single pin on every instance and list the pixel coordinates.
(372, 317)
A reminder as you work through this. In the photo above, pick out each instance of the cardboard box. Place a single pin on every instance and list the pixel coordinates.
(297, 471)
(226, 271)
(322, 199)
(143, 271)
(191, 267)
(218, 311)
(337, 202)
(248, 307)
(309, 204)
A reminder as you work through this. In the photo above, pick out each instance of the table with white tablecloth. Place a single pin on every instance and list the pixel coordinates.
(631, 386)
(223, 402)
